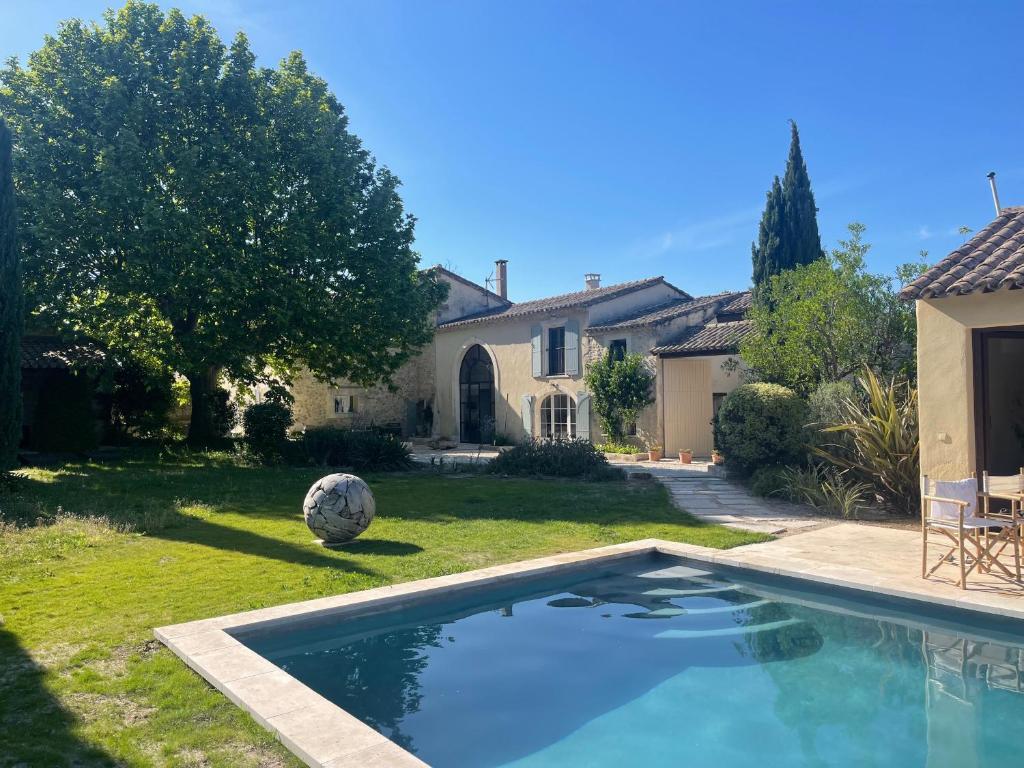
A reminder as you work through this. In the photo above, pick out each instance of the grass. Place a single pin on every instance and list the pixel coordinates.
(113, 550)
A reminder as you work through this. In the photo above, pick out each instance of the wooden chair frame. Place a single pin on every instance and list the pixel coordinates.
(1015, 497)
(978, 544)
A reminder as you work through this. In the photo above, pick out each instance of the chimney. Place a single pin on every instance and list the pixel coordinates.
(995, 193)
(501, 278)
(592, 280)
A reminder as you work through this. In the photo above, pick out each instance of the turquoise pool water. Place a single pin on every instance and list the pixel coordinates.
(656, 663)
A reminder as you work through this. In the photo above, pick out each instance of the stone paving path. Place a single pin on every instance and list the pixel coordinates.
(711, 497)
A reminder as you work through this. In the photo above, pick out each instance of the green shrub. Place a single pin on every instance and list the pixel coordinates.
(555, 458)
(826, 488)
(65, 416)
(266, 429)
(360, 449)
(761, 425)
(768, 481)
(502, 439)
(826, 407)
(223, 412)
(619, 391)
(882, 430)
(621, 448)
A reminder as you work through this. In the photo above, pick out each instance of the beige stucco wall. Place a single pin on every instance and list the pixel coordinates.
(945, 375)
(508, 343)
(686, 398)
(463, 300)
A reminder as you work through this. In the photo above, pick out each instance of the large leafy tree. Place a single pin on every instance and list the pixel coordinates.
(195, 212)
(10, 313)
(825, 320)
(788, 235)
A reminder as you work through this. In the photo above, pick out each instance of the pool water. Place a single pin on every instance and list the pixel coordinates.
(654, 662)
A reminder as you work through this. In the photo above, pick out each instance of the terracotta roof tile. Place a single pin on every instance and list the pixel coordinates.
(991, 260)
(714, 338)
(670, 310)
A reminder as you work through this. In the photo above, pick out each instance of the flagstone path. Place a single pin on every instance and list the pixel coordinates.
(697, 489)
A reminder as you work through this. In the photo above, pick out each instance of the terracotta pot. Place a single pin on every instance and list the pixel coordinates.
(685, 457)
(655, 454)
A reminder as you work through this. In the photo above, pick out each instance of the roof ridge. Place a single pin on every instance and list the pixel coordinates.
(571, 300)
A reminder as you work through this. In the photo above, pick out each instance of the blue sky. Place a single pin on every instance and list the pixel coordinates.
(637, 139)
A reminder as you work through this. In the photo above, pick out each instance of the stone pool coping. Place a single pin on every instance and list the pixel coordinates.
(324, 735)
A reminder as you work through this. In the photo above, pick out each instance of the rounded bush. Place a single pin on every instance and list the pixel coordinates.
(555, 458)
(761, 425)
(266, 428)
(768, 481)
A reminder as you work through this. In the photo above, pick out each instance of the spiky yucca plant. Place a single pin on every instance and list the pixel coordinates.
(884, 441)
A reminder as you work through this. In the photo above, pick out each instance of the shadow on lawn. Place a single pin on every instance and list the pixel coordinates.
(385, 547)
(152, 506)
(194, 530)
(34, 728)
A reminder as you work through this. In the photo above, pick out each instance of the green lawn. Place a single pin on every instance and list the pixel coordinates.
(142, 543)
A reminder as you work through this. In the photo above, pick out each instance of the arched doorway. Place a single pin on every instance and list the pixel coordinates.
(476, 396)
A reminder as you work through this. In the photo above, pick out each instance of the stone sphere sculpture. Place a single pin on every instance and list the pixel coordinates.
(338, 508)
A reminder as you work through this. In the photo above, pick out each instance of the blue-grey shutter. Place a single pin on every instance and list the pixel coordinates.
(535, 332)
(572, 347)
(583, 415)
(528, 415)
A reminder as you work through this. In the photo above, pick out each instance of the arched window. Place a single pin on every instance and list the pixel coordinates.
(476, 396)
(558, 417)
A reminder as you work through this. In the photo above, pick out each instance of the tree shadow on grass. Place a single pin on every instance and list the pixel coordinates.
(193, 530)
(153, 507)
(34, 728)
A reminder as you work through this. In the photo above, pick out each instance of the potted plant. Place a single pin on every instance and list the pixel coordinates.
(655, 453)
(717, 457)
(685, 455)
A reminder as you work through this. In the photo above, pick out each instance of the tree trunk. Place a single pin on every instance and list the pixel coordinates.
(203, 428)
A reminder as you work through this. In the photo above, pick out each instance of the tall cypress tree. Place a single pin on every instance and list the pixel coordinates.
(11, 307)
(788, 235)
(803, 244)
(766, 252)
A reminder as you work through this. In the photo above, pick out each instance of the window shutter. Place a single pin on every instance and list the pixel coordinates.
(572, 347)
(535, 333)
(528, 414)
(583, 415)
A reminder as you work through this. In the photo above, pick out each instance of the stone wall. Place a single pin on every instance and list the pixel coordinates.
(412, 388)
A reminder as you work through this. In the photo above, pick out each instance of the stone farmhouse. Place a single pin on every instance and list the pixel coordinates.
(516, 369)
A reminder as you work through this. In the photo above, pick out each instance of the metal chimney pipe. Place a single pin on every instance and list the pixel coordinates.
(501, 278)
(995, 192)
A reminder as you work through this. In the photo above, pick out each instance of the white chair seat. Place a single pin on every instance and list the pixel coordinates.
(972, 523)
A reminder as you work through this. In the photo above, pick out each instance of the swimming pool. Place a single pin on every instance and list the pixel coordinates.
(655, 661)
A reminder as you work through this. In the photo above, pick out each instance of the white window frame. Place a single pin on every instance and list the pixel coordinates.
(547, 414)
(545, 363)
